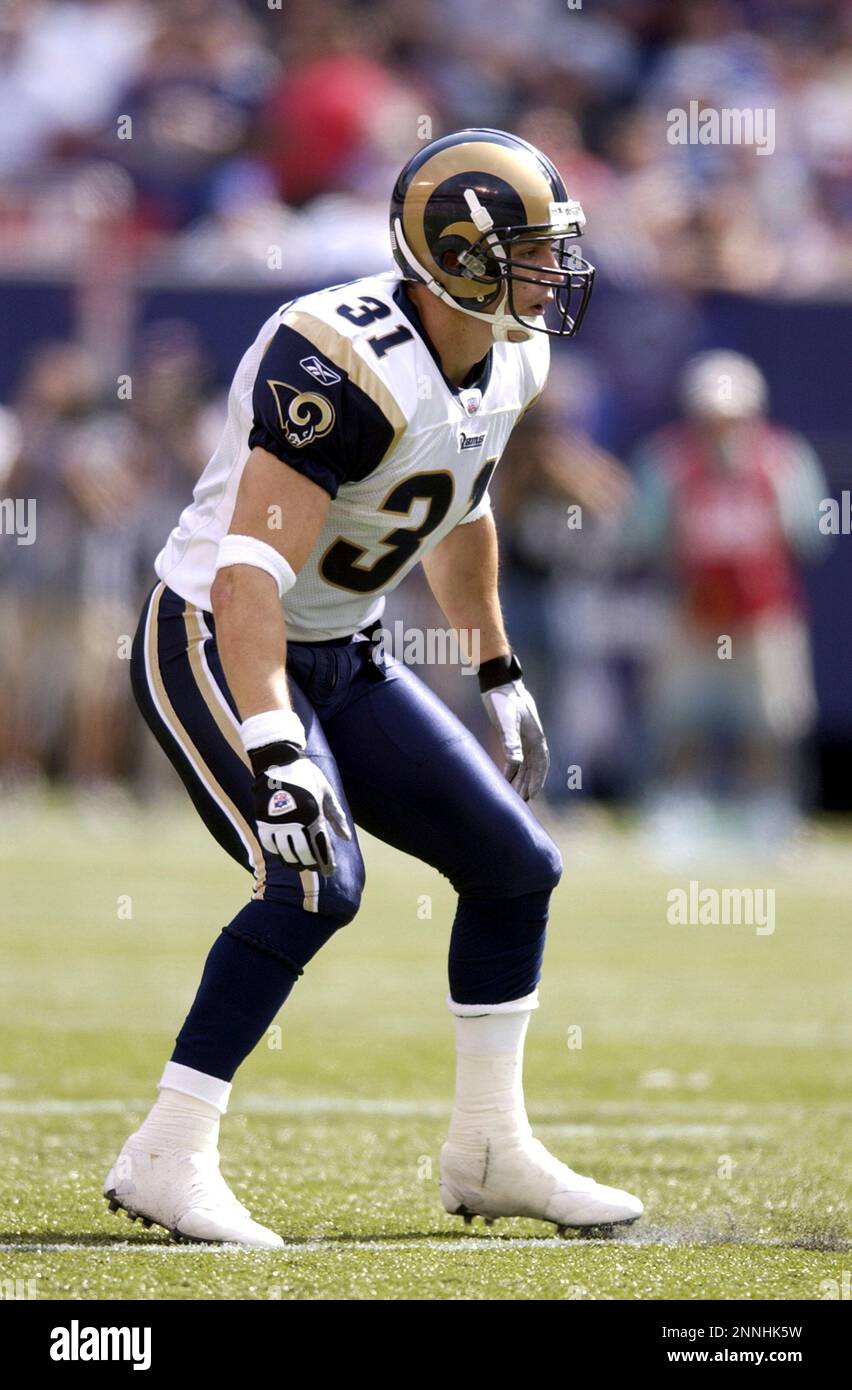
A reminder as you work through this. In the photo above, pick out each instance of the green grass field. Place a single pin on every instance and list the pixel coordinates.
(712, 1080)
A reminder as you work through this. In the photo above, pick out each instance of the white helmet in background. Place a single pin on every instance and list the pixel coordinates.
(722, 386)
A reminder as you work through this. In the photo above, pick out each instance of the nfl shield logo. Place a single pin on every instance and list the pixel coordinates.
(472, 401)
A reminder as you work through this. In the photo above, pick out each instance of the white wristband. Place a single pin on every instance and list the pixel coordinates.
(248, 550)
(274, 726)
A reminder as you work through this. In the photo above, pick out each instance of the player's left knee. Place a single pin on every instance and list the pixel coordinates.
(545, 865)
(523, 863)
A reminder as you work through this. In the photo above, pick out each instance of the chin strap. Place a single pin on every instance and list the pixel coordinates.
(505, 327)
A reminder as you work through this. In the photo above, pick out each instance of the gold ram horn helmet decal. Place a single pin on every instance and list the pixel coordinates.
(458, 207)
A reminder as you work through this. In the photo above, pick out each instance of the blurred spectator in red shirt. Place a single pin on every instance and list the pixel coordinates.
(326, 114)
(728, 503)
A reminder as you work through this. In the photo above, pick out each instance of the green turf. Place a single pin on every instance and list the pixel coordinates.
(712, 1077)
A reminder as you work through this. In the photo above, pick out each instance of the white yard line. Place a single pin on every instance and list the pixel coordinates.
(453, 1245)
(717, 1116)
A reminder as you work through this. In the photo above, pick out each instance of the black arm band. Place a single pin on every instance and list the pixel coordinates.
(500, 670)
(272, 755)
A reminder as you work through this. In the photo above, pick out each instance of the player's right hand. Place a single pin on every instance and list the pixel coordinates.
(294, 806)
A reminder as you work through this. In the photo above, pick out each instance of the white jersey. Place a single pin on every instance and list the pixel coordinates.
(344, 385)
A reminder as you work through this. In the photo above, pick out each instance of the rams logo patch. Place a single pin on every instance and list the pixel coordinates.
(281, 802)
(303, 415)
(470, 441)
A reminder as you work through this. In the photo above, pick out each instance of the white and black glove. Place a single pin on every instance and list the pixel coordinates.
(512, 711)
(294, 802)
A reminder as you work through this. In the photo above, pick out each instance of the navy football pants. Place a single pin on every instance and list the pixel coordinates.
(404, 768)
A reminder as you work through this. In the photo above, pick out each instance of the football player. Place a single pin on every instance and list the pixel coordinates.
(364, 425)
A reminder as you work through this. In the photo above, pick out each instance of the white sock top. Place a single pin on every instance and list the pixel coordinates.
(196, 1083)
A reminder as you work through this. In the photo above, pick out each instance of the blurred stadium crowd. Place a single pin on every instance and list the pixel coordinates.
(213, 128)
(225, 143)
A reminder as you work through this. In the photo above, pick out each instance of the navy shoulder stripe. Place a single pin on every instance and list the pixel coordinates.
(309, 413)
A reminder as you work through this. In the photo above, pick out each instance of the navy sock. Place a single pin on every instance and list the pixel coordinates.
(250, 971)
(496, 947)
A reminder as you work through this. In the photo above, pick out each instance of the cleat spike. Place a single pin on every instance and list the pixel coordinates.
(464, 1212)
(146, 1223)
(183, 1239)
(489, 1220)
(113, 1204)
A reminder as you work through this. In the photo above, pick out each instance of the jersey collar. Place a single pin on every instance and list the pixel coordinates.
(480, 373)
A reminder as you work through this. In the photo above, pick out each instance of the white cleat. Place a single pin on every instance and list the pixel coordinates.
(524, 1179)
(186, 1193)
